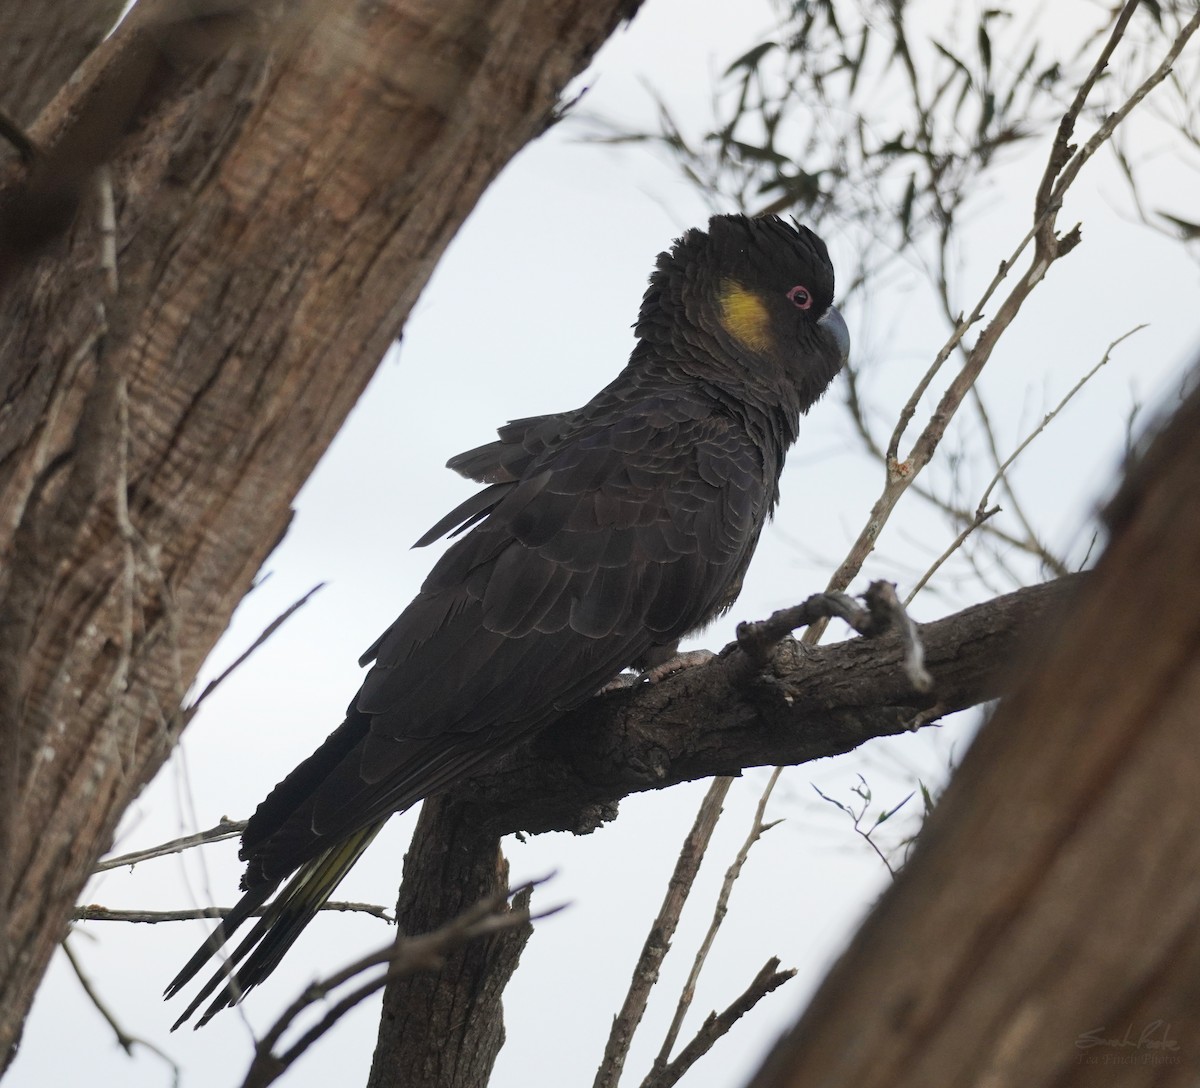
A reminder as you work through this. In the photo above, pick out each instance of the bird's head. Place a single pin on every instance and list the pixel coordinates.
(750, 302)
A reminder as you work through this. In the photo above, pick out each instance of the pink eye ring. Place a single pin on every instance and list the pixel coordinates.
(800, 298)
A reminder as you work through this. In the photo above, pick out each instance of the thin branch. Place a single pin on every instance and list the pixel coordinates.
(126, 1041)
(658, 941)
(982, 511)
(1062, 149)
(718, 1024)
(1052, 414)
(108, 230)
(226, 829)
(1109, 126)
(241, 659)
(1014, 504)
(863, 791)
(403, 956)
(1048, 248)
(757, 829)
(133, 542)
(978, 520)
(92, 912)
(1030, 542)
(959, 515)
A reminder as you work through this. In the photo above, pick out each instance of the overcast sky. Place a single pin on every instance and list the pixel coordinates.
(530, 312)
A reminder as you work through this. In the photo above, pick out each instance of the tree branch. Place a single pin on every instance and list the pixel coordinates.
(662, 930)
(125, 1040)
(723, 717)
(718, 1024)
(403, 956)
(95, 913)
(757, 829)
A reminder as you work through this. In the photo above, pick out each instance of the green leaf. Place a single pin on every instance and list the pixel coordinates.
(906, 206)
(1188, 230)
(883, 817)
(951, 58)
(985, 50)
(749, 60)
(857, 64)
(1019, 79)
(759, 154)
(831, 800)
(987, 113)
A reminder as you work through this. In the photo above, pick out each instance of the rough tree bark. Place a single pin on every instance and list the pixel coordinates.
(445, 1029)
(1044, 932)
(725, 716)
(281, 193)
(43, 44)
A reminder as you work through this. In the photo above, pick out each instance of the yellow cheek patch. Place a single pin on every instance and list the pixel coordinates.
(744, 316)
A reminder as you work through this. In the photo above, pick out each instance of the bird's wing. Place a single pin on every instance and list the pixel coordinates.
(622, 538)
(519, 442)
(501, 464)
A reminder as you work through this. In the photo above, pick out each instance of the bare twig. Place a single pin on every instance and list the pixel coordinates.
(757, 829)
(658, 941)
(959, 515)
(718, 1024)
(863, 792)
(1062, 168)
(1051, 415)
(268, 631)
(124, 1040)
(757, 639)
(979, 519)
(226, 829)
(403, 956)
(1062, 149)
(134, 545)
(95, 913)
(1014, 505)
(983, 512)
(883, 612)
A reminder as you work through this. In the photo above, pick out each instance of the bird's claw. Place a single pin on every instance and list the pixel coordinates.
(659, 672)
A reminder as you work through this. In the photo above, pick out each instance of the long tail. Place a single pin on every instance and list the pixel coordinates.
(282, 921)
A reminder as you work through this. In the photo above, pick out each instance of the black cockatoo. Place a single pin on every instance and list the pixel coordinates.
(602, 537)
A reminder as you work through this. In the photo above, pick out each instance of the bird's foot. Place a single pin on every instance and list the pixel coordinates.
(658, 672)
(620, 682)
(684, 660)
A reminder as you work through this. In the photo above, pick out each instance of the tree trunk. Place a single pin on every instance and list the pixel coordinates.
(283, 183)
(1045, 930)
(444, 1029)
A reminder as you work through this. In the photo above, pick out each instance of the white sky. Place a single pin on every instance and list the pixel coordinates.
(530, 312)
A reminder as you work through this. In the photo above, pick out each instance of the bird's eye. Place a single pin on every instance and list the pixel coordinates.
(800, 298)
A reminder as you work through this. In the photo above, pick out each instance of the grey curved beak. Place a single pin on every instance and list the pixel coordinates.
(833, 323)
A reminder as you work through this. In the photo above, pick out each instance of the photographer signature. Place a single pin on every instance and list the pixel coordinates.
(1156, 1035)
